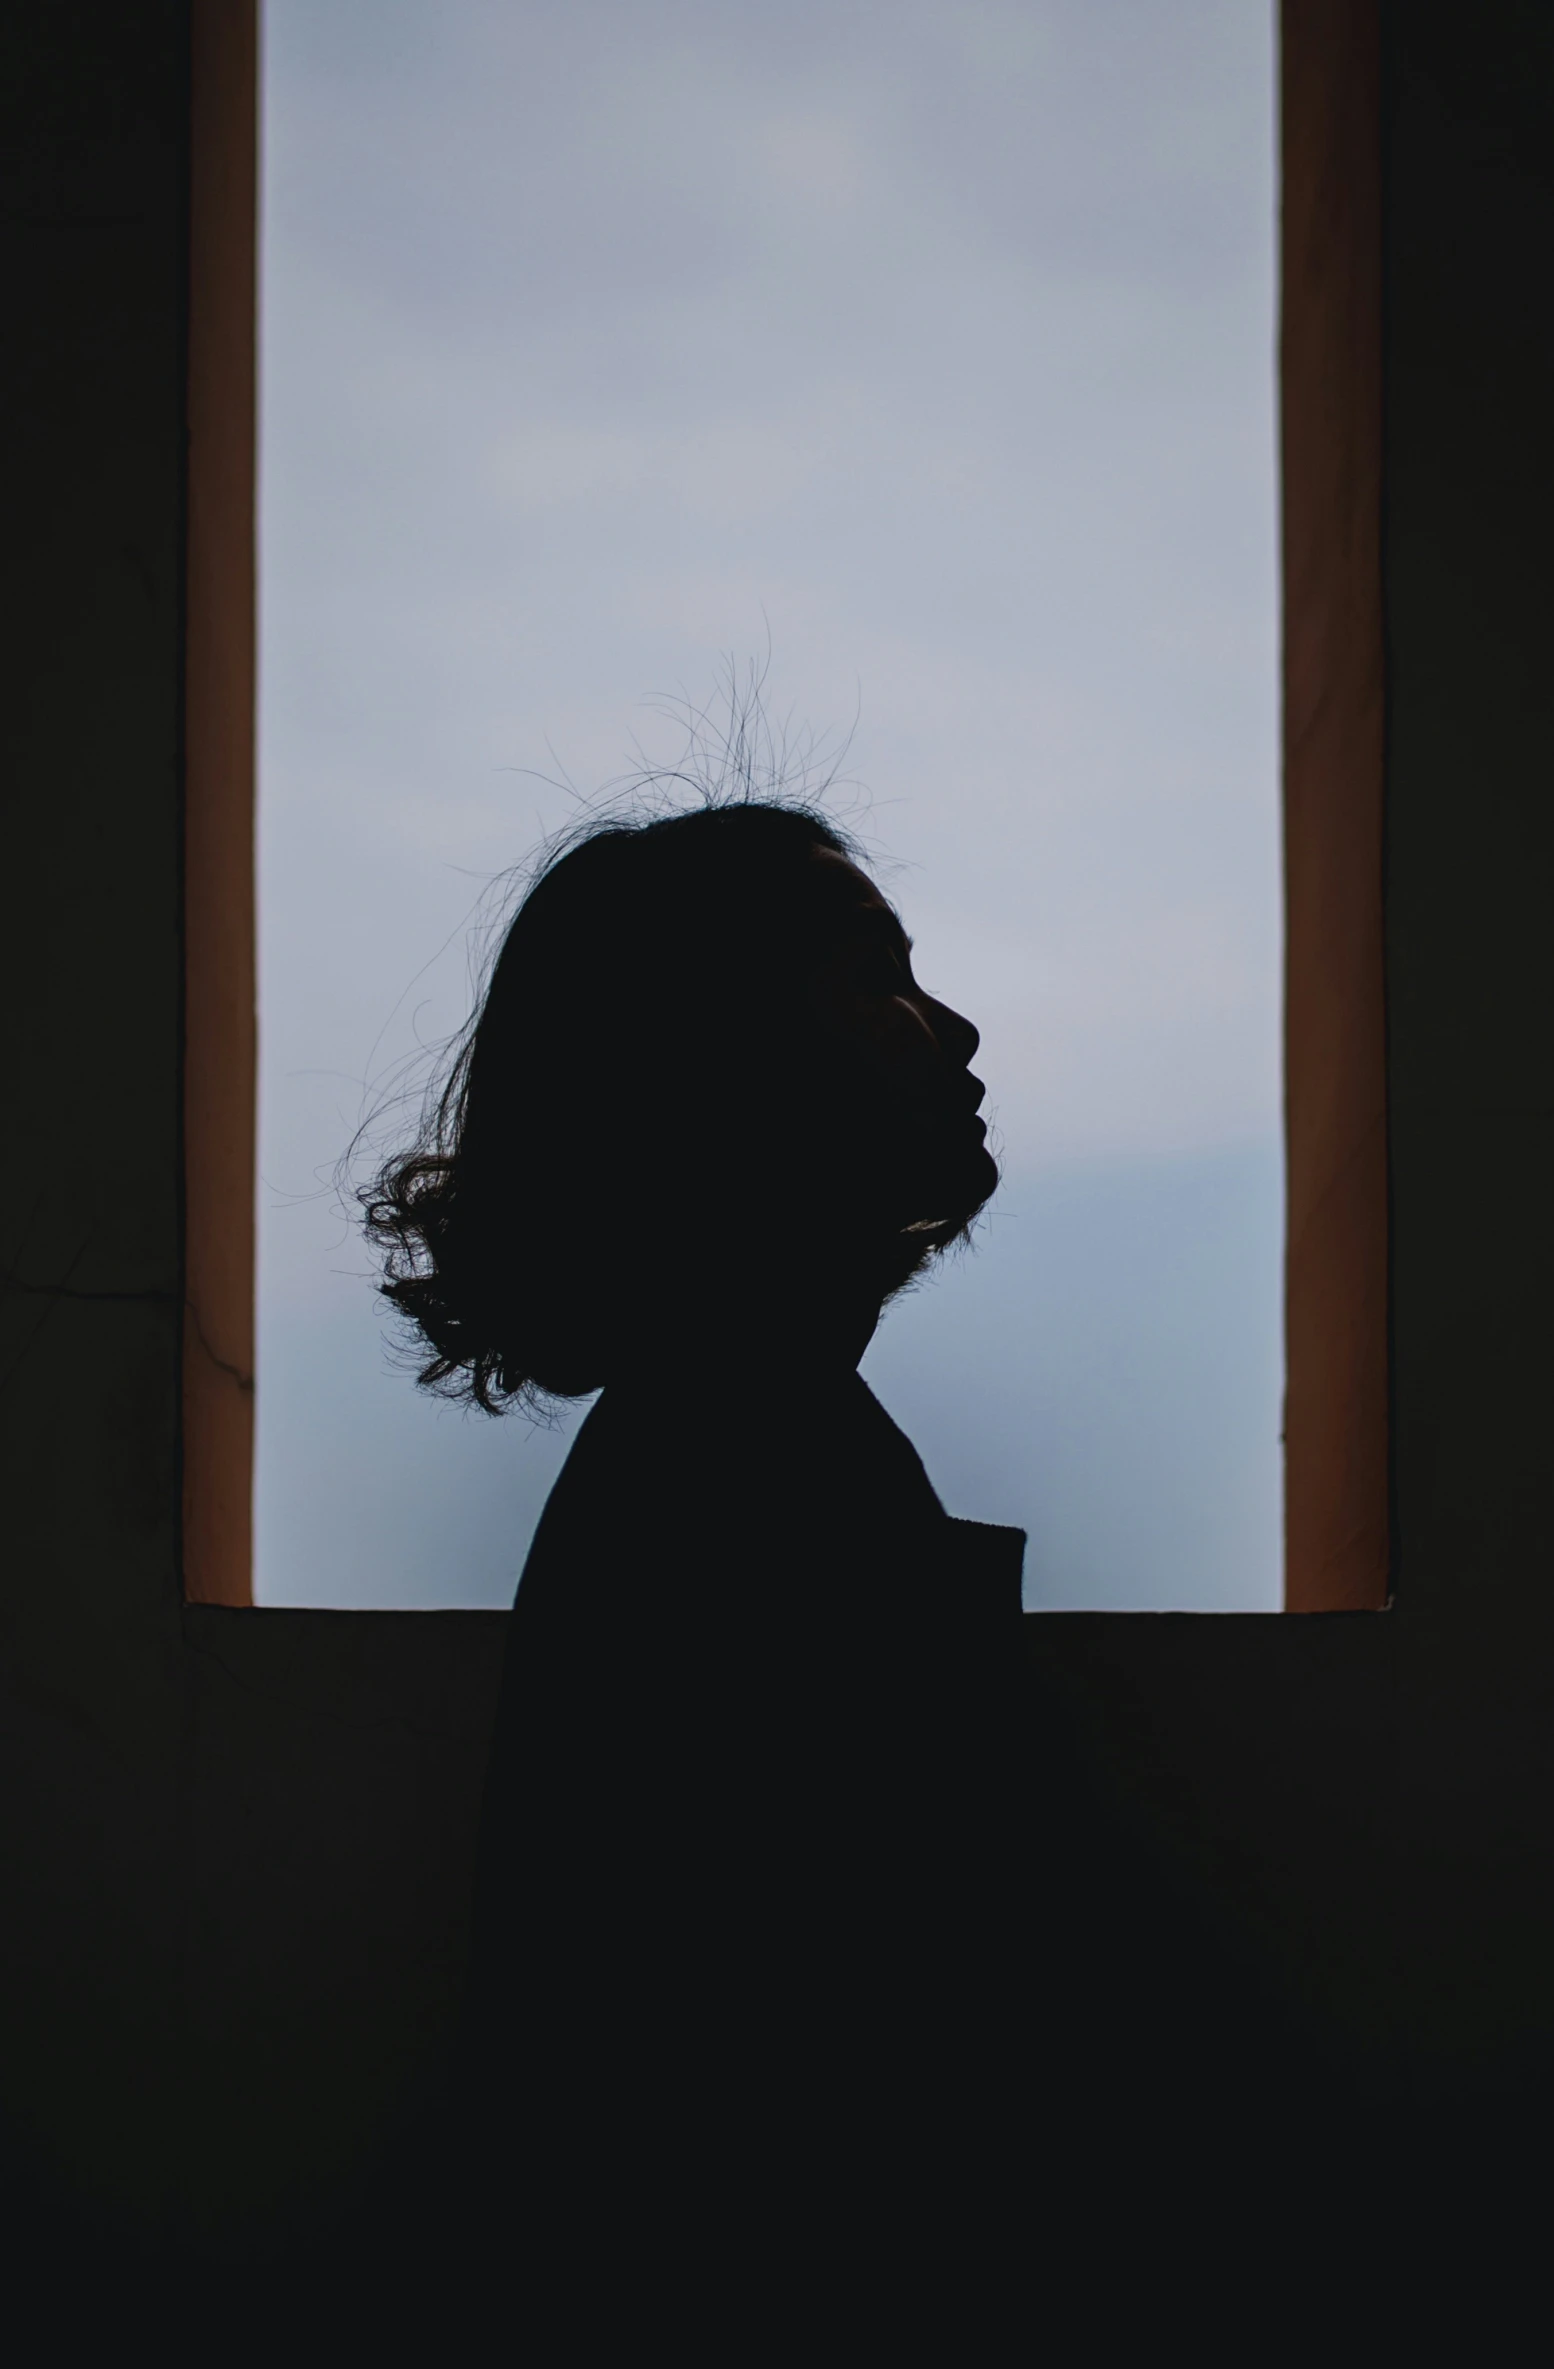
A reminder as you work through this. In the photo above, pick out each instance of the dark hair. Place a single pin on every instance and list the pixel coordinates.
(636, 998)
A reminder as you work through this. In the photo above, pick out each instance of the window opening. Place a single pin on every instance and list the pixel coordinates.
(601, 346)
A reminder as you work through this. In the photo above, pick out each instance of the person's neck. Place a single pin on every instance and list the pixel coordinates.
(744, 1330)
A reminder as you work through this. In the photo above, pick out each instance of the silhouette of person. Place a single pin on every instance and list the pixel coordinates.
(739, 1961)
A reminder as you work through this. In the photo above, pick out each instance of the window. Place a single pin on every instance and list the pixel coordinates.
(598, 346)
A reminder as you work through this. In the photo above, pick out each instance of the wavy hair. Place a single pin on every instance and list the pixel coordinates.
(635, 1030)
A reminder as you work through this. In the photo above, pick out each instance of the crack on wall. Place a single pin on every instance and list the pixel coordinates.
(223, 1365)
(154, 1294)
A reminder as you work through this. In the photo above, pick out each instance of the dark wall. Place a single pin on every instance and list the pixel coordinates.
(91, 233)
(1469, 529)
(236, 1845)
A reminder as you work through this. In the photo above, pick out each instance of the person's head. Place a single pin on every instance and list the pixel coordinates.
(703, 1102)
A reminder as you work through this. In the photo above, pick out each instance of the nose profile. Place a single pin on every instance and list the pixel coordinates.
(959, 1036)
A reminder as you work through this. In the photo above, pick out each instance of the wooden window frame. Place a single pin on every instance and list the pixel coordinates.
(1337, 1523)
(220, 1037)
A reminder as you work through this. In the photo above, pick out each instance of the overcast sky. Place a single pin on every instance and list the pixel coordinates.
(930, 345)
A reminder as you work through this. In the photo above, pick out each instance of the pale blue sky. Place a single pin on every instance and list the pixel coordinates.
(936, 343)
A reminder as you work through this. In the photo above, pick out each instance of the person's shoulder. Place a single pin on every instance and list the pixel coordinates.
(754, 1492)
(755, 1447)
(660, 1486)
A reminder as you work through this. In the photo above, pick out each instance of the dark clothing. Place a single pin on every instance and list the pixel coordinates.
(743, 1858)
